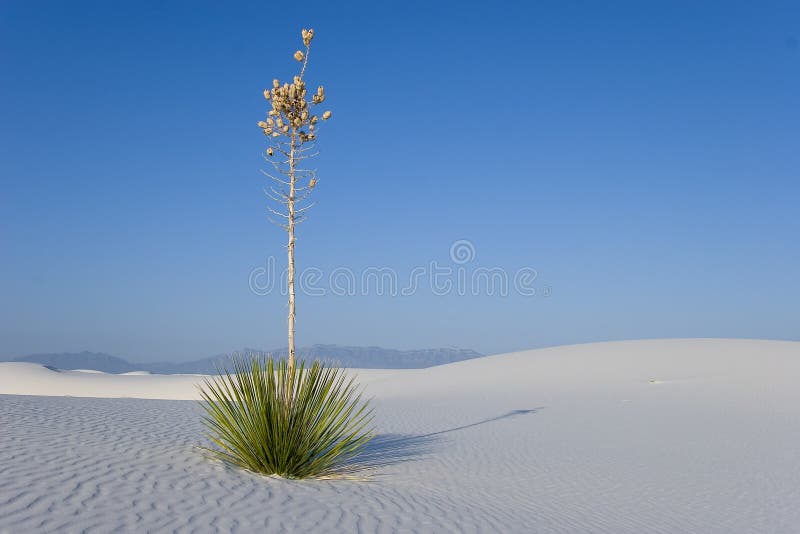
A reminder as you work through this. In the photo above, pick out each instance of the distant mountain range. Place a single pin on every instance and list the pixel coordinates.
(356, 357)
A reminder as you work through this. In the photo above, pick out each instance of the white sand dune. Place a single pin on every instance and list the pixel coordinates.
(662, 436)
(17, 378)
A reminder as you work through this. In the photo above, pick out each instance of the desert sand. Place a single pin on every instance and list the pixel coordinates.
(661, 436)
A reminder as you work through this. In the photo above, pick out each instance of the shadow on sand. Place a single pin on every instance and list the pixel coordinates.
(390, 449)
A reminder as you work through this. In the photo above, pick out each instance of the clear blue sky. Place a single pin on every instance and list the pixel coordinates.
(642, 156)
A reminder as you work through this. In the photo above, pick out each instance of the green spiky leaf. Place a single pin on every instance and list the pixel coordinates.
(293, 422)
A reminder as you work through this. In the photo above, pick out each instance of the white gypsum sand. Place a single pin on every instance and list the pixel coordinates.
(648, 436)
(34, 379)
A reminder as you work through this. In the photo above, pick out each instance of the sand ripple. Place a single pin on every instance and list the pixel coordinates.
(549, 448)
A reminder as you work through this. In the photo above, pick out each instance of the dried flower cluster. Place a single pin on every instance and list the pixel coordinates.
(290, 115)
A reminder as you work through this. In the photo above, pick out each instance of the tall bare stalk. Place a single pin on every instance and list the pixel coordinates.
(291, 128)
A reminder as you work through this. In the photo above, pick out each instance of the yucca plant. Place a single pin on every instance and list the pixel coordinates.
(314, 431)
(277, 418)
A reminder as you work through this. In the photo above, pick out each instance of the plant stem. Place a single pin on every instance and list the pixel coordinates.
(290, 205)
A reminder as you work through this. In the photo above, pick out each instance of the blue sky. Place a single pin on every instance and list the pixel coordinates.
(642, 156)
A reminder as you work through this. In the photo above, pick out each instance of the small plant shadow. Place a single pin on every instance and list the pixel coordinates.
(390, 449)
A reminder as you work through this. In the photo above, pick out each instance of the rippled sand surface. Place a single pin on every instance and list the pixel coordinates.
(632, 437)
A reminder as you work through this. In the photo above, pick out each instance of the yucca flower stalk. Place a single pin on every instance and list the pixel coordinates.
(291, 127)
